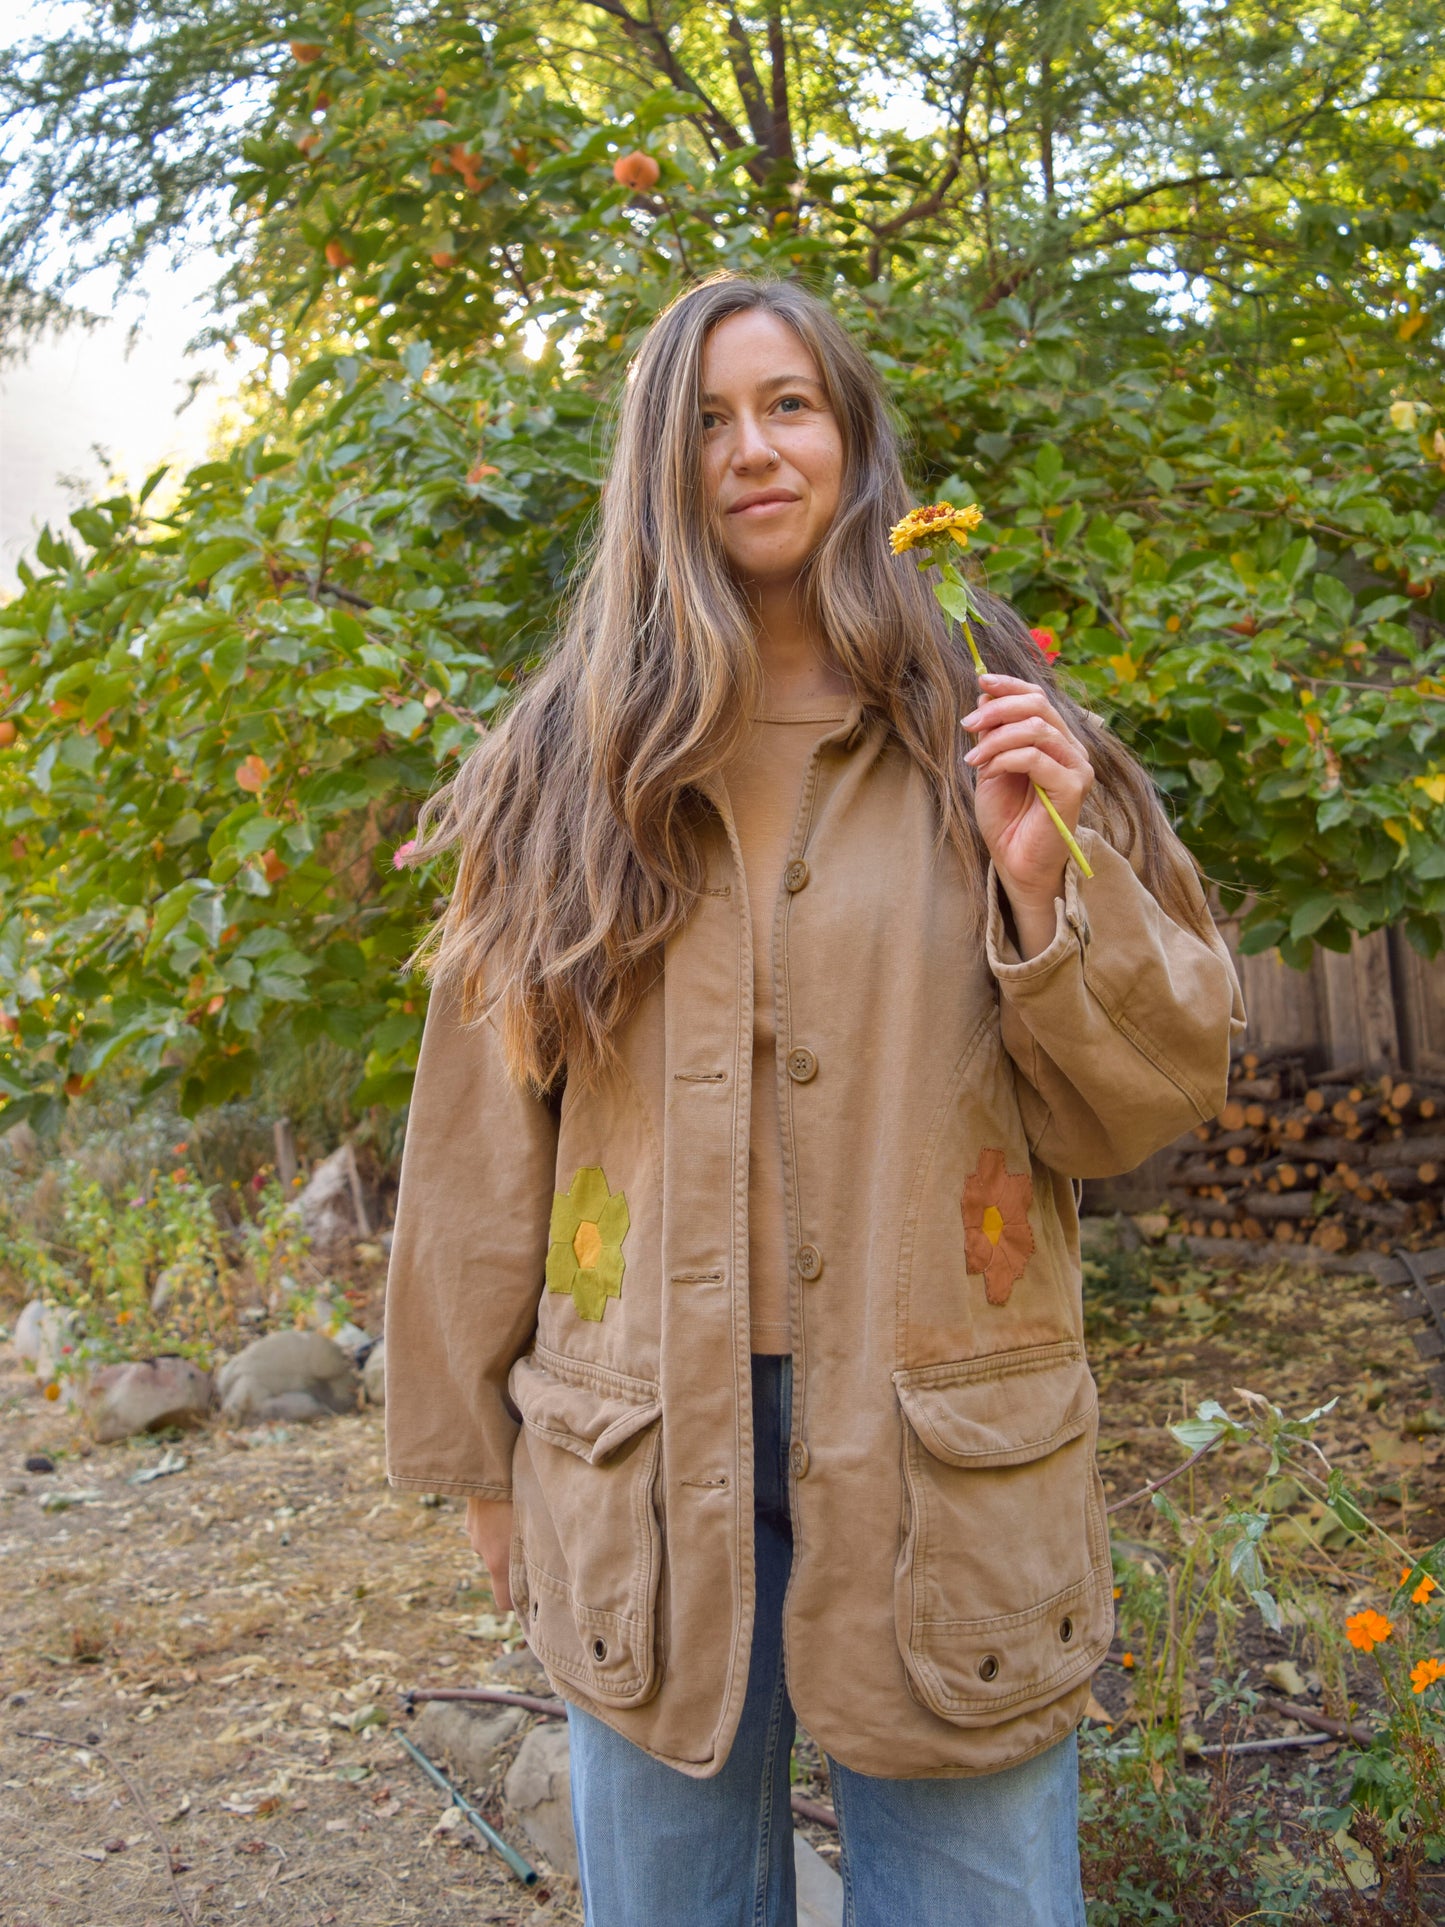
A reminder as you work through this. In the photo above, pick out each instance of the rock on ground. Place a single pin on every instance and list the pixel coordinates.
(467, 1738)
(327, 1202)
(120, 1400)
(373, 1374)
(41, 1333)
(820, 1887)
(288, 1375)
(539, 1793)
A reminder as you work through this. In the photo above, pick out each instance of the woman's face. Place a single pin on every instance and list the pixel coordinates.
(772, 449)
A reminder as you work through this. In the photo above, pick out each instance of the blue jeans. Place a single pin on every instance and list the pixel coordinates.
(660, 1849)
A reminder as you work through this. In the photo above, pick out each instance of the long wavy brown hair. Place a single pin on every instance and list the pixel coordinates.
(577, 818)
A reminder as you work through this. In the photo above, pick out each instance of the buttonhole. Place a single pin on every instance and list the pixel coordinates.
(696, 1278)
(705, 1483)
(700, 1077)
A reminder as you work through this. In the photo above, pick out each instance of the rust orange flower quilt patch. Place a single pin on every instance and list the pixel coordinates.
(998, 1239)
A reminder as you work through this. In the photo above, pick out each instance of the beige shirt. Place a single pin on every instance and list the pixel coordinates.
(764, 783)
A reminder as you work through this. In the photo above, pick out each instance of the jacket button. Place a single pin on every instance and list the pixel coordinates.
(988, 1667)
(796, 874)
(802, 1064)
(810, 1261)
(799, 1458)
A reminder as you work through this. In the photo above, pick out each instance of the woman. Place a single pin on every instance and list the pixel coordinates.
(735, 1279)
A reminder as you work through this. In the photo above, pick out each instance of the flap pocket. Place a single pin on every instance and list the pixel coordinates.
(1003, 1410)
(587, 1539)
(1003, 1587)
(582, 1409)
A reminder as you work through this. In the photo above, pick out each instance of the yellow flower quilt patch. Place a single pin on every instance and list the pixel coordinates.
(584, 1258)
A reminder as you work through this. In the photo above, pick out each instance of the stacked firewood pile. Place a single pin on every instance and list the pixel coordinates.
(1340, 1161)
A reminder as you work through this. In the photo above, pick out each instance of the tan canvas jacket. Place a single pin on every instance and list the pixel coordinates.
(567, 1312)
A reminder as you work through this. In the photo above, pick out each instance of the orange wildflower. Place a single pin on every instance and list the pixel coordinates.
(1426, 1673)
(1367, 1630)
(997, 1237)
(1127, 1660)
(1423, 1591)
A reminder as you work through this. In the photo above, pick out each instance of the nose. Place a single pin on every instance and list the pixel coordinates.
(751, 447)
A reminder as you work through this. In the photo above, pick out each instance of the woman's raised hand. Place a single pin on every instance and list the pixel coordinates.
(1023, 740)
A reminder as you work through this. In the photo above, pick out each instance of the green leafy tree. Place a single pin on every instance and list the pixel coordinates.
(227, 714)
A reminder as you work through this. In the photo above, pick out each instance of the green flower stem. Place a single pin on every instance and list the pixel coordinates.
(1062, 827)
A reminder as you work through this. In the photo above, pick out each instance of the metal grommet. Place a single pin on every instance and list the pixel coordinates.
(1066, 1630)
(988, 1667)
(599, 1649)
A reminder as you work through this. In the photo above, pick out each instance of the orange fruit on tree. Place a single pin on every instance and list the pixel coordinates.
(304, 51)
(337, 255)
(1420, 589)
(7, 732)
(443, 258)
(636, 169)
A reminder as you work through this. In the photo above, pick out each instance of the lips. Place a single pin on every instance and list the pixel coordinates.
(762, 500)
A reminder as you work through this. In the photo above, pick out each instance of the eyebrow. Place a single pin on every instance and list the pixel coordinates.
(767, 387)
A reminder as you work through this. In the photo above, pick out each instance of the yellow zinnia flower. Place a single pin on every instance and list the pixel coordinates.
(933, 524)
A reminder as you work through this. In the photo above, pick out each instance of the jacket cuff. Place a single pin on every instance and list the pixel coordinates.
(450, 1488)
(1071, 925)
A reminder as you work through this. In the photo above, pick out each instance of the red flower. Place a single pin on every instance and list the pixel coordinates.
(1048, 648)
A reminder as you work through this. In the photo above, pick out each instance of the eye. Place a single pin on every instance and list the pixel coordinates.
(707, 418)
(796, 399)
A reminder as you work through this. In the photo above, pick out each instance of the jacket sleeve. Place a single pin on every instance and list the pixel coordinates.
(468, 1258)
(1120, 1030)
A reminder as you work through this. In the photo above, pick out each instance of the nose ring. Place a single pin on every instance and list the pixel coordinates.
(772, 456)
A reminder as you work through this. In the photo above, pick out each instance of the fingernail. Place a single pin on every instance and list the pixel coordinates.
(970, 719)
(971, 756)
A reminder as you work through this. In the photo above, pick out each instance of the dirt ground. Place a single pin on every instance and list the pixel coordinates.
(233, 1639)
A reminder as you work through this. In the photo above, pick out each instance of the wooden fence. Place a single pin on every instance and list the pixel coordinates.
(1380, 1005)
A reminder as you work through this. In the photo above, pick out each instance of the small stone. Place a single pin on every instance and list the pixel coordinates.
(42, 1333)
(519, 1672)
(326, 1203)
(539, 1792)
(373, 1374)
(26, 1336)
(121, 1400)
(468, 1737)
(39, 1462)
(287, 1375)
(820, 1887)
